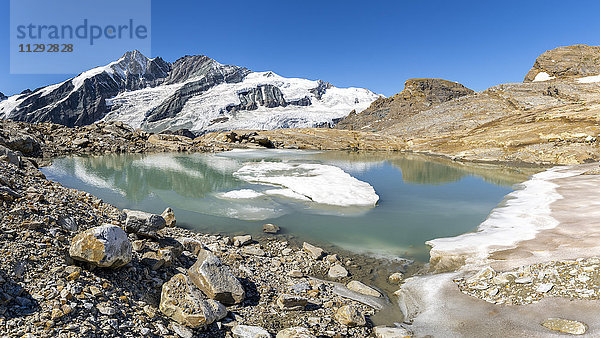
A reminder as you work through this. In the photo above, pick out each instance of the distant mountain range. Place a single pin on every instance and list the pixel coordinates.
(195, 92)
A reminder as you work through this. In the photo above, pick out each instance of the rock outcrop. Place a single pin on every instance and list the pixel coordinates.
(566, 63)
(418, 95)
(104, 246)
(3, 97)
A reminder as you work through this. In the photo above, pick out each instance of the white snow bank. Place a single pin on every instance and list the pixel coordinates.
(241, 194)
(543, 76)
(525, 213)
(320, 183)
(589, 79)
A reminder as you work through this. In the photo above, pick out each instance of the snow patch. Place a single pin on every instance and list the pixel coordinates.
(543, 76)
(241, 194)
(589, 79)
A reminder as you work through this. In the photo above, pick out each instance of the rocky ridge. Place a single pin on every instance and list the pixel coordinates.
(550, 119)
(194, 92)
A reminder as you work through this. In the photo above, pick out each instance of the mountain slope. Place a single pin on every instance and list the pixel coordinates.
(194, 92)
(552, 117)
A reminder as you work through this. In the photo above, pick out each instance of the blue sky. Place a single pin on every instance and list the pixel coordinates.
(373, 44)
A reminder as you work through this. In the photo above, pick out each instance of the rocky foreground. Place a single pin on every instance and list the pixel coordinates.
(75, 266)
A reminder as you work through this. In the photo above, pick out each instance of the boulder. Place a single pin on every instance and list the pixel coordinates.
(291, 302)
(362, 288)
(565, 325)
(337, 271)
(169, 217)
(314, 251)
(391, 332)
(24, 143)
(295, 332)
(104, 246)
(271, 228)
(216, 279)
(10, 156)
(349, 315)
(183, 302)
(143, 223)
(247, 331)
(242, 240)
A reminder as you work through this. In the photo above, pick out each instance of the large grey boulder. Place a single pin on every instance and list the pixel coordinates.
(183, 302)
(104, 246)
(143, 223)
(215, 279)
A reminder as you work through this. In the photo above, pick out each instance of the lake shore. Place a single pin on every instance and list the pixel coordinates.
(35, 278)
(47, 293)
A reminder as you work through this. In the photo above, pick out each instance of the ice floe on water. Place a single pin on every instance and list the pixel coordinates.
(241, 194)
(320, 183)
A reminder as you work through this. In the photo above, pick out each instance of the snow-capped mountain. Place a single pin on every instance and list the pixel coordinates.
(194, 92)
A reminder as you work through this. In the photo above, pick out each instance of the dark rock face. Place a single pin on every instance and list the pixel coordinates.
(563, 62)
(3, 97)
(418, 95)
(209, 73)
(181, 132)
(82, 105)
(265, 95)
(320, 89)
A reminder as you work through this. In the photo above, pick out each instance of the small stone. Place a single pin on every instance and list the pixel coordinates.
(332, 258)
(242, 240)
(73, 272)
(313, 251)
(247, 331)
(169, 217)
(362, 288)
(396, 277)
(182, 331)
(485, 273)
(565, 325)
(391, 332)
(56, 314)
(106, 310)
(286, 251)
(349, 315)
(291, 302)
(295, 332)
(544, 287)
(524, 280)
(95, 291)
(295, 274)
(271, 228)
(337, 271)
(253, 250)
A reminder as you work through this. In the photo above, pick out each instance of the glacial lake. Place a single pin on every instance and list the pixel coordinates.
(386, 204)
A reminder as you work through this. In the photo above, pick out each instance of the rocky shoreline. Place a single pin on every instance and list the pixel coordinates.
(71, 270)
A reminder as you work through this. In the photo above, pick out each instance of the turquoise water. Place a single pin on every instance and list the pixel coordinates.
(304, 192)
